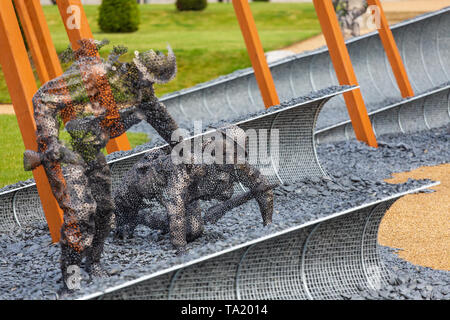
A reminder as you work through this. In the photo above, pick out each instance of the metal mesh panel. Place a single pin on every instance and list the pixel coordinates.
(443, 44)
(212, 279)
(386, 122)
(437, 109)
(415, 63)
(176, 108)
(430, 51)
(254, 93)
(152, 289)
(272, 270)
(423, 44)
(7, 220)
(289, 156)
(216, 100)
(412, 117)
(27, 207)
(332, 257)
(265, 123)
(238, 97)
(423, 112)
(329, 135)
(372, 265)
(295, 156)
(283, 78)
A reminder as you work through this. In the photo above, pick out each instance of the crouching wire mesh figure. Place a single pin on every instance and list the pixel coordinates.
(79, 175)
(179, 188)
(347, 12)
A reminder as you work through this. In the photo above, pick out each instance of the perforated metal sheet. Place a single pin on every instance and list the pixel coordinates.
(423, 112)
(320, 261)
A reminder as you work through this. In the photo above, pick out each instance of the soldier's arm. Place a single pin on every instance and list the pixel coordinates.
(174, 198)
(156, 114)
(46, 108)
(252, 178)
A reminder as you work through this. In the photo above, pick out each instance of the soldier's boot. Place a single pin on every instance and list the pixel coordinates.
(194, 221)
(99, 176)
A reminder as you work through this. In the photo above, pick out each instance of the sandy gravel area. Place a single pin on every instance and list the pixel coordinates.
(419, 224)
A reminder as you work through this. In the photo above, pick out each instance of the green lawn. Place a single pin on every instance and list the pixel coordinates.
(207, 44)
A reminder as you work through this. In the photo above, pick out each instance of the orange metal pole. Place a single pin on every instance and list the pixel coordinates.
(392, 52)
(32, 40)
(256, 53)
(77, 28)
(22, 86)
(344, 71)
(45, 42)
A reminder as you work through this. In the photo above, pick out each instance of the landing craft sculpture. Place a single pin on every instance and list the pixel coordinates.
(180, 186)
(82, 187)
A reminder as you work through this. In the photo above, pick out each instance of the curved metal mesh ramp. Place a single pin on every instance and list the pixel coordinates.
(320, 260)
(423, 112)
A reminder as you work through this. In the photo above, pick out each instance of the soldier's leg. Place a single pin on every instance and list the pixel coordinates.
(174, 202)
(194, 221)
(77, 231)
(99, 177)
(127, 219)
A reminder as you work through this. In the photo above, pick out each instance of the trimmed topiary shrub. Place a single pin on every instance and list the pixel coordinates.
(185, 5)
(119, 16)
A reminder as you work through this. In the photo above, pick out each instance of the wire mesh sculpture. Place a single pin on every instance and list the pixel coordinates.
(180, 186)
(97, 100)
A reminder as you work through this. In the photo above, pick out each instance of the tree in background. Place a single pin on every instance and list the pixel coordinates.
(119, 16)
(188, 5)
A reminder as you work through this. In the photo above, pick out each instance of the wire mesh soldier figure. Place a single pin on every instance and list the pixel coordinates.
(180, 186)
(79, 175)
(347, 12)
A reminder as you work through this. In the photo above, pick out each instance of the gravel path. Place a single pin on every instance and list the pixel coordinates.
(29, 262)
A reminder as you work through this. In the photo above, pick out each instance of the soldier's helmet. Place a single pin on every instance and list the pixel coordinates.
(155, 66)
